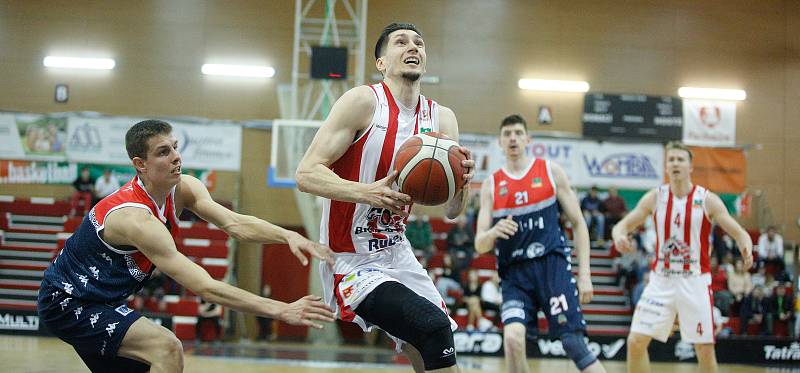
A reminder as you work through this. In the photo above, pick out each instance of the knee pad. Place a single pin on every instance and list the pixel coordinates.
(577, 350)
(406, 315)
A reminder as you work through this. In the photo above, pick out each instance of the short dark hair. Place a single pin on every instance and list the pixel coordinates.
(514, 119)
(380, 46)
(137, 136)
(677, 145)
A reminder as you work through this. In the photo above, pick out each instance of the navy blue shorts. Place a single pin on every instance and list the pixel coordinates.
(542, 284)
(94, 330)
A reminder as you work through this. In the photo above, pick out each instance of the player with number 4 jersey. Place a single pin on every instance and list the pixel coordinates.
(519, 218)
(681, 281)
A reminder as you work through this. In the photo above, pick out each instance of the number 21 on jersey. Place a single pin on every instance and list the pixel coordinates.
(521, 197)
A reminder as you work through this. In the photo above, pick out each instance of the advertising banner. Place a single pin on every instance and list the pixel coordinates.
(42, 136)
(709, 123)
(737, 350)
(101, 140)
(586, 162)
(10, 144)
(719, 170)
(37, 172)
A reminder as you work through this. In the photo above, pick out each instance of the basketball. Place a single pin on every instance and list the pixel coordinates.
(429, 168)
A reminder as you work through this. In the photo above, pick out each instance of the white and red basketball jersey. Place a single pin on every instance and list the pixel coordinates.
(360, 228)
(683, 232)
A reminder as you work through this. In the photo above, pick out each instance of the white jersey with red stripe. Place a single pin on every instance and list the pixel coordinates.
(683, 233)
(360, 228)
(370, 242)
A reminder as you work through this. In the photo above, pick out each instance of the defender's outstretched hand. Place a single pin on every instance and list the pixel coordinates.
(306, 309)
(299, 244)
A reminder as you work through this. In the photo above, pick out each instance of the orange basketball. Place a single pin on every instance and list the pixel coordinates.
(429, 168)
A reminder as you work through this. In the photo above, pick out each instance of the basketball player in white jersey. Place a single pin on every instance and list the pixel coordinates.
(376, 279)
(681, 281)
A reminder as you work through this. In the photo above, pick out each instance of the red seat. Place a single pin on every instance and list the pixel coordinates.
(484, 261)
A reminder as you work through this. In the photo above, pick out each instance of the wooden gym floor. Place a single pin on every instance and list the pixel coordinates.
(20, 354)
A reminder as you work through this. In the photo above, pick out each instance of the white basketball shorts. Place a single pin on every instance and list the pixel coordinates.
(690, 298)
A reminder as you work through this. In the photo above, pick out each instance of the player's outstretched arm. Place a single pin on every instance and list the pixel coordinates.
(486, 233)
(137, 227)
(632, 221)
(718, 214)
(571, 208)
(350, 114)
(448, 125)
(195, 197)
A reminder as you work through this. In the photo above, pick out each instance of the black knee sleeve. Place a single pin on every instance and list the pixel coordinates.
(404, 314)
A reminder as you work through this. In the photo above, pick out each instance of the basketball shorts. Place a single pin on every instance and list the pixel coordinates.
(689, 298)
(355, 275)
(542, 284)
(94, 330)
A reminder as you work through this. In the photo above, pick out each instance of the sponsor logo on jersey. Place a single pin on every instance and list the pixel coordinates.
(503, 191)
(123, 310)
(381, 221)
(537, 182)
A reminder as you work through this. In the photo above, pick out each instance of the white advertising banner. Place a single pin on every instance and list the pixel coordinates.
(98, 140)
(202, 146)
(10, 144)
(635, 166)
(209, 146)
(709, 123)
(586, 163)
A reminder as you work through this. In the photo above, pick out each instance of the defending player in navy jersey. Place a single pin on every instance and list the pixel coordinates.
(130, 233)
(519, 219)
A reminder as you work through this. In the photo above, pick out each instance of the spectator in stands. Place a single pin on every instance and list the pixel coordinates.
(739, 282)
(762, 278)
(105, 185)
(472, 300)
(754, 309)
(720, 331)
(461, 244)
(637, 291)
(648, 237)
(265, 323)
(420, 235)
(725, 245)
(797, 313)
(770, 248)
(727, 263)
(84, 191)
(719, 285)
(592, 212)
(448, 284)
(627, 267)
(210, 314)
(614, 207)
(491, 297)
(781, 307)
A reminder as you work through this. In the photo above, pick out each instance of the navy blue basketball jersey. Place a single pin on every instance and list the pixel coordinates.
(90, 269)
(531, 200)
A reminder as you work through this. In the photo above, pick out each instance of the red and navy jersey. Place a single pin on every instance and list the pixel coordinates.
(530, 198)
(90, 269)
